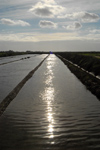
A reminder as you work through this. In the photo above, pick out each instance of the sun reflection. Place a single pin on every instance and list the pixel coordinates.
(50, 118)
(49, 108)
(50, 128)
(48, 95)
(49, 80)
(50, 99)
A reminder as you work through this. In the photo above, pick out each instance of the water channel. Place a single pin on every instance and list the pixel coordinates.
(53, 111)
(12, 73)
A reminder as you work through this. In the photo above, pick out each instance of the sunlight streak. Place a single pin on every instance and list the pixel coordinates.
(48, 96)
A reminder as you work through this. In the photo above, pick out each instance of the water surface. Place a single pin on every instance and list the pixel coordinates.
(54, 111)
(11, 74)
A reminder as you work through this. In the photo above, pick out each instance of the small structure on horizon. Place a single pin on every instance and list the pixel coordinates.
(51, 52)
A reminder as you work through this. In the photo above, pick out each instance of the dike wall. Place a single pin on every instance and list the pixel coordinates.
(90, 81)
(85, 61)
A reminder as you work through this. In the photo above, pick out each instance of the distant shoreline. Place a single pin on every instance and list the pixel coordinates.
(15, 53)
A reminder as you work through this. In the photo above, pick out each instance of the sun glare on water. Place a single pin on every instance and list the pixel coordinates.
(48, 96)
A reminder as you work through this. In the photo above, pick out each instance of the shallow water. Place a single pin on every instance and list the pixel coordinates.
(53, 111)
(11, 74)
(14, 58)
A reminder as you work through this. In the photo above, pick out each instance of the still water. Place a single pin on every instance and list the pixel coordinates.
(53, 111)
(11, 74)
(14, 58)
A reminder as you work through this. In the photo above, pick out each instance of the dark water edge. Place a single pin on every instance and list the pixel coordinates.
(91, 83)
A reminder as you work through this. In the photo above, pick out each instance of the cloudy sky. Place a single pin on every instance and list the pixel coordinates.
(50, 25)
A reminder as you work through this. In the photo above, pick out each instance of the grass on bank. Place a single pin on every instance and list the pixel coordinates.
(86, 60)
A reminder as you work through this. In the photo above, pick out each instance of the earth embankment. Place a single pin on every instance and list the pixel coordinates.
(89, 63)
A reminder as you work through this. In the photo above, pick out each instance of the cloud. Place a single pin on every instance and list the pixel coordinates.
(81, 5)
(46, 10)
(37, 37)
(14, 22)
(82, 16)
(49, 1)
(47, 24)
(86, 17)
(74, 26)
(95, 31)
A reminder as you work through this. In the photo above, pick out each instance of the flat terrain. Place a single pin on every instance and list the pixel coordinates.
(53, 110)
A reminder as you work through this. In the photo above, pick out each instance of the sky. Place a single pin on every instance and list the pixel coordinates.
(50, 25)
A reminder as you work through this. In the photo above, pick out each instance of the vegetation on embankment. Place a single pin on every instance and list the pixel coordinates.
(92, 83)
(13, 53)
(88, 61)
(10, 53)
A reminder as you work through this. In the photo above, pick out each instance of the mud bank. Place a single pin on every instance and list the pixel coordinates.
(14, 61)
(87, 61)
(92, 83)
(15, 91)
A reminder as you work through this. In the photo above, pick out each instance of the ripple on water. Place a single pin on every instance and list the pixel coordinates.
(52, 111)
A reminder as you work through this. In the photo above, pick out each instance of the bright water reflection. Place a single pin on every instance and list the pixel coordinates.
(48, 95)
